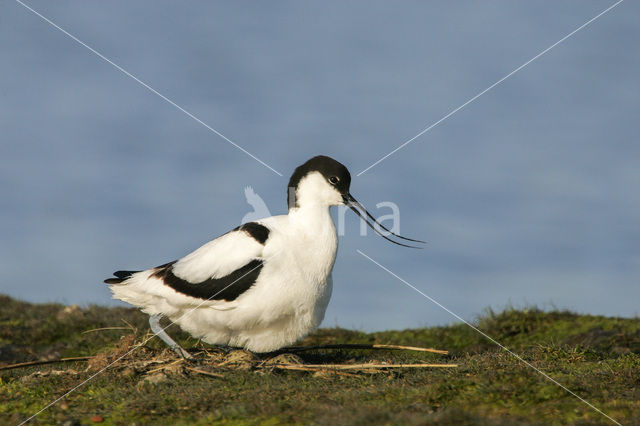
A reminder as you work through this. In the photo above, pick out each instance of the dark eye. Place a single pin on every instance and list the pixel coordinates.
(334, 180)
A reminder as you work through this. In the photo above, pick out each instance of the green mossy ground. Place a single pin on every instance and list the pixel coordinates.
(596, 357)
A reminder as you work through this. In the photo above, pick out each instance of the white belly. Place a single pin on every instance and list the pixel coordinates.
(287, 302)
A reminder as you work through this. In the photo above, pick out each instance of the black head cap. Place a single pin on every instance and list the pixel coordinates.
(335, 173)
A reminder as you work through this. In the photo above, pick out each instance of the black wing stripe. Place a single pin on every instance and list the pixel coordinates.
(228, 288)
(124, 274)
(260, 233)
(121, 277)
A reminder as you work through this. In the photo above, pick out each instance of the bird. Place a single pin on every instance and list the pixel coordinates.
(263, 285)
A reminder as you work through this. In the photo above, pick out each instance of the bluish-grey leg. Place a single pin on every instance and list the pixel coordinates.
(154, 322)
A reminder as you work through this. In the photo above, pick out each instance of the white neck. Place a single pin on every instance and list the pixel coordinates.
(314, 218)
(314, 238)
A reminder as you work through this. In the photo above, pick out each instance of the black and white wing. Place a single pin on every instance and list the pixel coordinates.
(220, 270)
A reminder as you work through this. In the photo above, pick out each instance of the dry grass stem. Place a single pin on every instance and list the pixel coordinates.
(309, 367)
(105, 328)
(51, 361)
(206, 373)
(178, 361)
(362, 346)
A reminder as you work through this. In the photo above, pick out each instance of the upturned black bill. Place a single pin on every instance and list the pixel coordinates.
(358, 208)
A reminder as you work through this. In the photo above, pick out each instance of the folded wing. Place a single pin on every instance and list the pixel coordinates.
(222, 269)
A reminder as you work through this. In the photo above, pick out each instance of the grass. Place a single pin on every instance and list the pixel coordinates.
(596, 357)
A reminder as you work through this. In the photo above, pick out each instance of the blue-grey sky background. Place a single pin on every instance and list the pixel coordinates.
(529, 195)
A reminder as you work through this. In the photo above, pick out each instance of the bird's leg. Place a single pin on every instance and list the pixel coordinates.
(154, 322)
